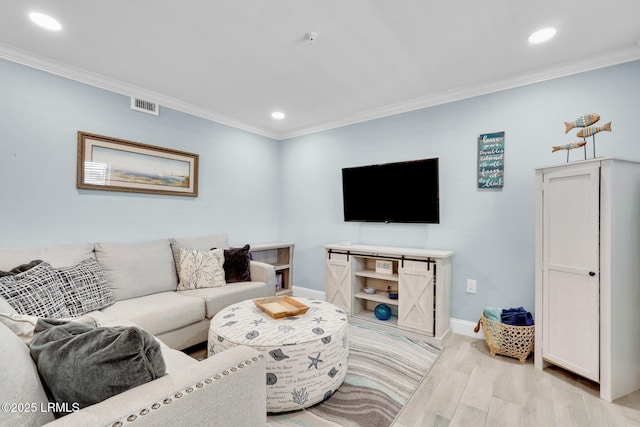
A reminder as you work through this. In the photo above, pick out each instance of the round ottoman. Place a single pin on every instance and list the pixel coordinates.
(306, 354)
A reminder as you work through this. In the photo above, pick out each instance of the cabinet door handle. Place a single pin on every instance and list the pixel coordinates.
(592, 273)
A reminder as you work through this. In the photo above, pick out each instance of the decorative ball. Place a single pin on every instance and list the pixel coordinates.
(383, 312)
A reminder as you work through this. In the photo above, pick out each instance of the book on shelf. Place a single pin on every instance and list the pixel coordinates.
(279, 281)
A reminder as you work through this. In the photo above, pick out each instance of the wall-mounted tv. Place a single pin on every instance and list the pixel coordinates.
(392, 192)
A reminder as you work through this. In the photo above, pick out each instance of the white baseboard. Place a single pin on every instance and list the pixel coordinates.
(464, 327)
(458, 326)
(299, 291)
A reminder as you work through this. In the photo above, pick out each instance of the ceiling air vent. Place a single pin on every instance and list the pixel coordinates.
(145, 106)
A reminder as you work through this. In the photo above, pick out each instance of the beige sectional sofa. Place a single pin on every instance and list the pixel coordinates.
(226, 389)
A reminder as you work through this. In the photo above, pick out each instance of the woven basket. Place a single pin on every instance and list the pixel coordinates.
(512, 341)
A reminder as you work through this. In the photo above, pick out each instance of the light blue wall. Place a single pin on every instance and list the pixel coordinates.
(257, 189)
(491, 232)
(40, 115)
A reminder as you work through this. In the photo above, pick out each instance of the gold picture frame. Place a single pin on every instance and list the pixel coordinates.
(112, 164)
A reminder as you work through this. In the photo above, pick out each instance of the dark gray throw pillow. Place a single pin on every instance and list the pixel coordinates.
(81, 365)
(236, 264)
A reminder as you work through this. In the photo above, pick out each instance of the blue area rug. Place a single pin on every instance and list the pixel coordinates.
(384, 372)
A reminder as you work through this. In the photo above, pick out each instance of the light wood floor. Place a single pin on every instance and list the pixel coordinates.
(469, 387)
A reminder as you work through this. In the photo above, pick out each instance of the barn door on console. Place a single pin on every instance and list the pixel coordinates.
(338, 280)
(415, 297)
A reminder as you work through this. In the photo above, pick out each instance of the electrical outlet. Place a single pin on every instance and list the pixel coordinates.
(471, 286)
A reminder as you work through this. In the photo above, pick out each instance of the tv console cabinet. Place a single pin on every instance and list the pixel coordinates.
(420, 277)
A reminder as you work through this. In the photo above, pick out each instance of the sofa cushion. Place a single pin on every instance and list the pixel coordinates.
(84, 365)
(176, 361)
(84, 287)
(219, 298)
(20, 383)
(203, 243)
(57, 256)
(23, 325)
(35, 292)
(236, 265)
(5, 307)
(137, 269)
(200, 269)
(159, 313)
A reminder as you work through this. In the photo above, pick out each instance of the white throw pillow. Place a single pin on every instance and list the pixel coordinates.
(201, 269)
(201, 243)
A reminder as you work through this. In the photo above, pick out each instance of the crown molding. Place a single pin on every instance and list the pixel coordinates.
(97, 80)
(620, 56)
(631, 53)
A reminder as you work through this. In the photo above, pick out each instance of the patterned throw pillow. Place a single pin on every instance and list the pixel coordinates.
(84, 287)
(200, 269)
(35, 292)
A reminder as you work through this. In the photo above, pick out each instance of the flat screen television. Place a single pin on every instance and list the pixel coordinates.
(405, 192)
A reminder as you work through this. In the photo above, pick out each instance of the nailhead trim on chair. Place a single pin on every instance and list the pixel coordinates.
(190, 389)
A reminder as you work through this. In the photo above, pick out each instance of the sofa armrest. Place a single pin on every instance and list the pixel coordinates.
(223, 390)
(263, 272)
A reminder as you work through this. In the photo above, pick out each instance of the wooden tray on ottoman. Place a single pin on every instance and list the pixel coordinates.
(279, 307)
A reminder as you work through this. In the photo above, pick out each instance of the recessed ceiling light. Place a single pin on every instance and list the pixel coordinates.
(542, 35)
(278, 115)
(45, 21)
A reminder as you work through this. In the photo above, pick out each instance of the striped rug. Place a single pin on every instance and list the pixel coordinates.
(384, 371)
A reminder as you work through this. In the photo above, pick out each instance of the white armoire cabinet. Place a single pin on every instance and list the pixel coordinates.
(420, 277)
(587, 272)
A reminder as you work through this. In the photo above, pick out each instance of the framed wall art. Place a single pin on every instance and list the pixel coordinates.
(111, 164)
(491, 160)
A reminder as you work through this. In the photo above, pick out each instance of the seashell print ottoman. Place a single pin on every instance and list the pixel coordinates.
(306, 354)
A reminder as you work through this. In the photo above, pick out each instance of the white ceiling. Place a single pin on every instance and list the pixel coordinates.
(237, 61)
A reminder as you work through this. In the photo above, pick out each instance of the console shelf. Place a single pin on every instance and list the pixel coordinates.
(374, 275)
(421, 277)
(379, 298)
(280, 255)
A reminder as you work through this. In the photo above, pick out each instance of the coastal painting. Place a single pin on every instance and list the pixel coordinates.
(491, 160)
(106, 163)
